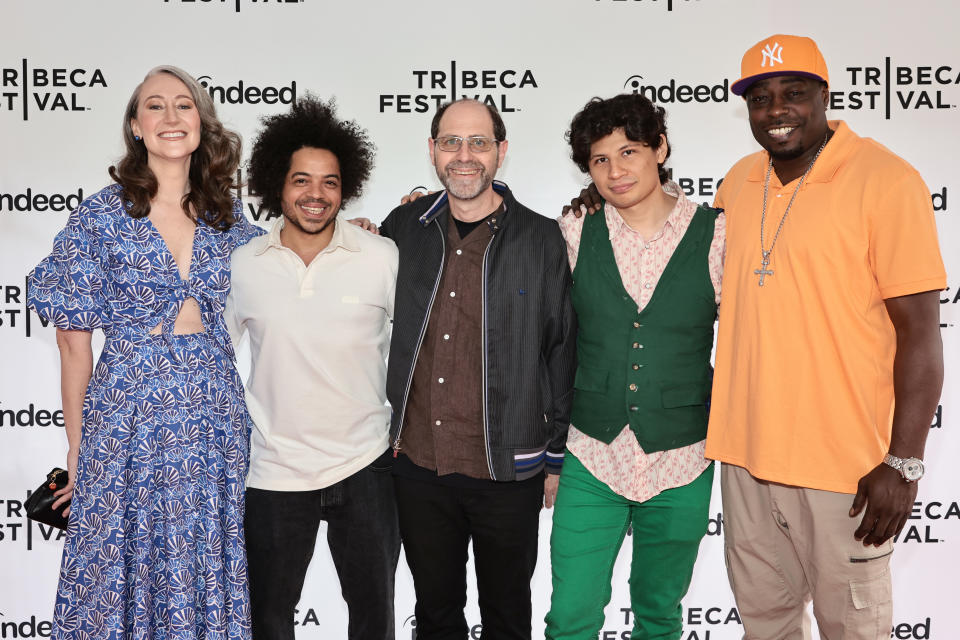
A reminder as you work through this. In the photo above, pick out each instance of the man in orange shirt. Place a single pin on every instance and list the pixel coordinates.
(829, 359)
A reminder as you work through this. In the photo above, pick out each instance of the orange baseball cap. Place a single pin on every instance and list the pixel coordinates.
(780, 55)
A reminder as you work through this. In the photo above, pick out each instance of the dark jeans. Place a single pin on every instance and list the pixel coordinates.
(281, 529)
(437, 522)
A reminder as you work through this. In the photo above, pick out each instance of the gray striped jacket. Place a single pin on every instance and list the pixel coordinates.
(529, 329)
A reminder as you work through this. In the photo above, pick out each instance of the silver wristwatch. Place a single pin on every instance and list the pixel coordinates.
(910, 468)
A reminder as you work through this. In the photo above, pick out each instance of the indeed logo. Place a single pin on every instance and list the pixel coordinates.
(671, 92)
(939, 199)
(906, 631)
(30, 417)
(246, 93)
(31, 201)
(474, 632)
(31, 628)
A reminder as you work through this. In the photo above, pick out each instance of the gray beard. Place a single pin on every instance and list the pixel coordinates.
(460, 191)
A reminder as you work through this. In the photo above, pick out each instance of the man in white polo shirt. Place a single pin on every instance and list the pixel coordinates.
(316, 296)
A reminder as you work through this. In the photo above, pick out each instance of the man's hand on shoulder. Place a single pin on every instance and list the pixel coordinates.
(366, 224)
(588, 202)
(888, 499)
(414, 195)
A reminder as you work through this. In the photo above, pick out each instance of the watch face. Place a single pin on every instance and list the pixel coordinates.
(912, 469)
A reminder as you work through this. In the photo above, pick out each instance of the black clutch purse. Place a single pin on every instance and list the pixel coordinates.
(39, 503)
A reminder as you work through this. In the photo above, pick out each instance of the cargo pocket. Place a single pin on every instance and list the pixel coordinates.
(870, 614)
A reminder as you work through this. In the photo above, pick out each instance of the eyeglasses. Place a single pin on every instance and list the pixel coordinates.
(476, 144)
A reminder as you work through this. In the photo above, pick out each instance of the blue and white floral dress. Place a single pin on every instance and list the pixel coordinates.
(155, 544)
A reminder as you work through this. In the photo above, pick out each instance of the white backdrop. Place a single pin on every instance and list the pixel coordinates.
(67, 68)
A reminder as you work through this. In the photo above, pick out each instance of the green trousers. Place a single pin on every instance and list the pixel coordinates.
(589, 524)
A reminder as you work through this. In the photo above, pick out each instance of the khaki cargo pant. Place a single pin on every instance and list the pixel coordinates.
(787, 545)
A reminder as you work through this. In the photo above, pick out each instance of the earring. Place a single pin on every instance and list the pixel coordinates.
(137, 138)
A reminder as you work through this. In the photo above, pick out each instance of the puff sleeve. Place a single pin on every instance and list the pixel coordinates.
(242, 231)
(68, 287)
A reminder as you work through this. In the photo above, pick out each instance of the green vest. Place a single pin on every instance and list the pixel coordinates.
(651, 369)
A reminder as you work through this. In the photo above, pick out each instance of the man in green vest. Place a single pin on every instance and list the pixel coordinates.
(646, 271)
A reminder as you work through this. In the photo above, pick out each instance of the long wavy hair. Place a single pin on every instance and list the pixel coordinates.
(213, 165)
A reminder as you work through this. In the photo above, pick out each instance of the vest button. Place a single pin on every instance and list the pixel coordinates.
(636, 367)
(633, 407)
(633, 386)
(636, 345)
(636, 325)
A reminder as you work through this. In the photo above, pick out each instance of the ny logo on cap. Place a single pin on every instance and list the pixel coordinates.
(772, 53)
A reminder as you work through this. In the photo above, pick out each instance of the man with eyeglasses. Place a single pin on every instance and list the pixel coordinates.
(480, 379)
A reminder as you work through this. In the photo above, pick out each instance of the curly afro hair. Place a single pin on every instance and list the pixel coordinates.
(309, 123)
(641, 121)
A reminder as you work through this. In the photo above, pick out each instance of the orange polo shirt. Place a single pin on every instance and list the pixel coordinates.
(803, 390)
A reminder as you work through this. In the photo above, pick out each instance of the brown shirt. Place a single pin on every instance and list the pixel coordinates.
(443, 428)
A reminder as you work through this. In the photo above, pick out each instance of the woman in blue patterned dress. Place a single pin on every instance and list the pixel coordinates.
(158, 430)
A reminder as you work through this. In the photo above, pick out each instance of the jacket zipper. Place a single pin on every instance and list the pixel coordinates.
(483, 360)
(423, 331)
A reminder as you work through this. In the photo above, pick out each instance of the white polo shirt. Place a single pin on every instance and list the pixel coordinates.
(319, 336)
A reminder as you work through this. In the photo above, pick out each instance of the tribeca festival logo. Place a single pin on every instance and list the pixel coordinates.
(895, 89)
(247, 93)
(698, 623)
(27, 89)
(671, 91)
(13, 310)
(306, 618)
(16, 528)
(669, 3)
(255, 208)
(927, 520)
(236, 4)
(495, 87)
(949, 296)
(707, 187)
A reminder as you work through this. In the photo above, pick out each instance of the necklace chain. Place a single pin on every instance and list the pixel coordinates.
(765, 253)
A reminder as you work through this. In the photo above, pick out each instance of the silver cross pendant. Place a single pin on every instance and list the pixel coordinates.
(763, 271)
